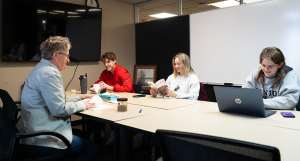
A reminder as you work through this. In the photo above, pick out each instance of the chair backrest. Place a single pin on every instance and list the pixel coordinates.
(202, 93)
(9, 106)
(7, 132)
(177, 146)
(298, 105)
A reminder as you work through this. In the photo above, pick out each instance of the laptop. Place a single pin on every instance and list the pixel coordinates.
(241, 101)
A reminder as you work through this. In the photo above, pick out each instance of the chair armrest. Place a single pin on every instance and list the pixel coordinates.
(17, 102)
(38, 133)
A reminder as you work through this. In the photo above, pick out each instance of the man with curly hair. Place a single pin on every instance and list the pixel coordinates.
(114, 77)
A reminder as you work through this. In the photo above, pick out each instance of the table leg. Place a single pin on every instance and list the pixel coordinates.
(97, 134)
(155, 150)
(83, 121)
(126, 152)
(117, 143)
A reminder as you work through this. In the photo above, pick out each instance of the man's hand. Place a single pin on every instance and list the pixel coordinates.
(89, 104)
(104, 85)
(170, 92)
(153, 92)
(85, 97)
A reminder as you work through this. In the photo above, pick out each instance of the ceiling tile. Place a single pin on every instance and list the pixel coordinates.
(165, 9)
(188, 4)
(151, 5)
(201, 9)
(169, 1)
(148, 12)
(208, 1)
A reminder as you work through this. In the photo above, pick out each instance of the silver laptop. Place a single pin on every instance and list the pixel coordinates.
(241, 101)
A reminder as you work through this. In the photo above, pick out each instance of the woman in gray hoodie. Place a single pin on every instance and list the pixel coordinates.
(279, 84)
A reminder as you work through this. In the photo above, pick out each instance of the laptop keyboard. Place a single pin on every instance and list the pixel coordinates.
(269, 112)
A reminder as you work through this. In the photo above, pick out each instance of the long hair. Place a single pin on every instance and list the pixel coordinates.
(274, 54)
(185, 63)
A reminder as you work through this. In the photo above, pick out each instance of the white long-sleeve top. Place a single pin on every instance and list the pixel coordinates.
(186, 87)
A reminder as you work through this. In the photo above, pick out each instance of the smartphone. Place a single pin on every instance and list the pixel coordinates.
(288, 114)
(141, 95)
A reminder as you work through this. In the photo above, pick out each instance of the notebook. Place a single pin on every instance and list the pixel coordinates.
(241, 101)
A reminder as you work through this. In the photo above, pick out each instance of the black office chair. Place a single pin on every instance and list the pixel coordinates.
(298, 105)
(181, 146)
(9, 106)
(10, 138)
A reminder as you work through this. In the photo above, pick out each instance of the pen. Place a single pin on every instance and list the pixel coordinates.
(140, 111)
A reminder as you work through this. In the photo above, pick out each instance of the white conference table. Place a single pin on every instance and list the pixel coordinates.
(148, 101)
(202, 118)
(201, 122)
(211, 109)
(166, 103)
(111, 115)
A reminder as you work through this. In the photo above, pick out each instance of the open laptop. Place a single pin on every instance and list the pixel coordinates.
(241, 101)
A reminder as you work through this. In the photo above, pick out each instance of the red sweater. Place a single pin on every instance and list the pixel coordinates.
(120, 79)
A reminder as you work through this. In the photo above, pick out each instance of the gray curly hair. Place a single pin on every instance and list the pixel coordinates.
(52, 44)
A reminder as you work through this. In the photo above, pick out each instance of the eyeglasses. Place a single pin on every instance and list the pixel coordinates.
(68, 56)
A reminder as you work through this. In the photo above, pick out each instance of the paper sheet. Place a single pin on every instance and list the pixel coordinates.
(98, 102)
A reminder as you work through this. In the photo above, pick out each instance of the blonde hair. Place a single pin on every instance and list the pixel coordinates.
(185, 63)
(274, 54)
(52, 44)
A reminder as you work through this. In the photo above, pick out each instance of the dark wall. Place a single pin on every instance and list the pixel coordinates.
(157, 42)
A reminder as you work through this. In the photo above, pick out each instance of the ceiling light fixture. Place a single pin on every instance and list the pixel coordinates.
(94, 9)
(226, 3)
(81, 10)
(163, 15)
(58, 11)
(41, 11)
(72, 13)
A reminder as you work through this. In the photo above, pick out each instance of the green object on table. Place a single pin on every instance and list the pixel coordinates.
(107, 98)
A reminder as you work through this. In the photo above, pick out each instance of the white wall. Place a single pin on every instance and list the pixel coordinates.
(226, 43)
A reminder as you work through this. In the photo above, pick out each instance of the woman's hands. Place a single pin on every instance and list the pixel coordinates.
(170, 92)
(153, 92)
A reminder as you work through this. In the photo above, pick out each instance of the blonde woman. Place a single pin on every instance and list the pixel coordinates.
(279, 84)
(183, 83)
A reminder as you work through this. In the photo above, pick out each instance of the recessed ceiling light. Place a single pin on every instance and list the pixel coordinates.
(227, 3)
(53, 13)
(74, 16)
(41, 11)
(81, 10)
(72, 13)
(95, 9)
(163, 15)
(58, 11)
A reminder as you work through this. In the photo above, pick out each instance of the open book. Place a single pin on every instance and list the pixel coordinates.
(98, 102)
(159, 86)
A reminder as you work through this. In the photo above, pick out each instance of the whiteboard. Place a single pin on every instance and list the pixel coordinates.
(226, 43)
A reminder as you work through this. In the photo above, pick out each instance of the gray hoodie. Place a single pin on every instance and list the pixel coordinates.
(283, 97)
